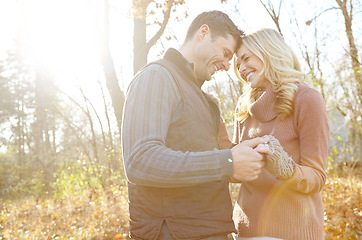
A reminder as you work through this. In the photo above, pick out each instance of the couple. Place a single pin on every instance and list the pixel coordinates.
(178, 157)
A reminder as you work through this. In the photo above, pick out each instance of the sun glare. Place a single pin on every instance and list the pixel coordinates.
(62, 37)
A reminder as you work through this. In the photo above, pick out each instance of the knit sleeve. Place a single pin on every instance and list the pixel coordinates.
(312, 124)
(152, 104)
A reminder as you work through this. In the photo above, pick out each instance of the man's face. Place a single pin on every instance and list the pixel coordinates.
(213, 54)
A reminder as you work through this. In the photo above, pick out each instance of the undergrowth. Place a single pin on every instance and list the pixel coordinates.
(89, 203)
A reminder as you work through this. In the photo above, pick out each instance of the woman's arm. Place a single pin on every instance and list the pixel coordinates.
(311, 121)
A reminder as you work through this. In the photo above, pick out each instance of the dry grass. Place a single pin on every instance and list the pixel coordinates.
(342, 199)
(104, 215)
(87, 216)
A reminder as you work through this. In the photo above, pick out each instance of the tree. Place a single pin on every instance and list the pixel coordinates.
(346, 6)
(141, 45)
(346, 88)
(112, 81)
(354, 109)
(45, 101)
(275, 15)
(18, 95)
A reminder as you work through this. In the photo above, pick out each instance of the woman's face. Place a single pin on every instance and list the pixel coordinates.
(250, 67)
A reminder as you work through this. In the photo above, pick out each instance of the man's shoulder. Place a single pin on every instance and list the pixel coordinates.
(154, 73)
(159, 67)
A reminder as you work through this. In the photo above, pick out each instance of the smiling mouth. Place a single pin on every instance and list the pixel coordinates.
(249, 75)
(216, 68)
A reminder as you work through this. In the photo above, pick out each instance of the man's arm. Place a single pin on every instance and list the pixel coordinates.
(150, 107)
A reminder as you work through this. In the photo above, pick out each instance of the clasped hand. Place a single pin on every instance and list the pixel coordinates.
(248, 158)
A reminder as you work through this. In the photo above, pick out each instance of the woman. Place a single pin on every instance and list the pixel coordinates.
(285, 201)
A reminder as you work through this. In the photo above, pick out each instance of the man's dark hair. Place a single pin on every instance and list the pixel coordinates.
(219, 24)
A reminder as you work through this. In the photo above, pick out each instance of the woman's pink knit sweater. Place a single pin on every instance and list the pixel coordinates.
(291, 209)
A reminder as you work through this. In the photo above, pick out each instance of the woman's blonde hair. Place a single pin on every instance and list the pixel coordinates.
(281, 68)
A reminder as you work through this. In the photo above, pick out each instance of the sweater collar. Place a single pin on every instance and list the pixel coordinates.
(183, 65)
(263, 108)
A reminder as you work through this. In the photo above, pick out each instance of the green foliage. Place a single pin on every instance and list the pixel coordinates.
(19, 181)
(339, 164)
(75, 177)
(91, 201)
(72, 179)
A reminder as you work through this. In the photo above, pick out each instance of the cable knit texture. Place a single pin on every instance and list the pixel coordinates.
(278, 163)
(291, 209)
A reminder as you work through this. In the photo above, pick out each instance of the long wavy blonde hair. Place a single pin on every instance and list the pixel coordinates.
(281, 68)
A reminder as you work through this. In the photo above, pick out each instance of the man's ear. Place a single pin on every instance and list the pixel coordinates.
(204, 30)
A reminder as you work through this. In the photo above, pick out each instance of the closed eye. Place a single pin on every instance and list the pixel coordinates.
(244, 59)
(228, 54)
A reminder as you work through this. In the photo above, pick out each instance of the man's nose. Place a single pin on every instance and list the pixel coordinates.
(226, 65)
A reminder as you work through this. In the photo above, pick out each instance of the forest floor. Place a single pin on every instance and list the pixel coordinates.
(104, 214)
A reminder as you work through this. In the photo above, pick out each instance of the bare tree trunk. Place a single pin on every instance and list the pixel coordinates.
(110, 150)
(357, 73)
(80, 129)
(41, 124)
(54, 145)
(94, 140)
(78, 132)
(353, 51)
(141, 46)
(20, 131)
(139, 35)
(113, 87)
(38, 134)
(112, 83)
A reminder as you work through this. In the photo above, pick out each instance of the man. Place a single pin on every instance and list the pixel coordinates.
(178, 174)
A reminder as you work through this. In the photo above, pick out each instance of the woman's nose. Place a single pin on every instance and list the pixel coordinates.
(242, 68)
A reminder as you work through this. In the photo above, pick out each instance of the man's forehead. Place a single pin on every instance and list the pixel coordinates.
(228, 41)
(241, 52)
(240, 55)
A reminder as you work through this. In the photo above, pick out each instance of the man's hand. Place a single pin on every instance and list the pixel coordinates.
(248, 162)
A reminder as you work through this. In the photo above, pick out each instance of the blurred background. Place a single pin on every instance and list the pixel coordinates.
(65, 66)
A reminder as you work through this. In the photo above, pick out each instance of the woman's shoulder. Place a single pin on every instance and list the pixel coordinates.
(306, 91)
(307, 95)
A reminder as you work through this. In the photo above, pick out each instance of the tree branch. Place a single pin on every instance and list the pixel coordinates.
(166, 17)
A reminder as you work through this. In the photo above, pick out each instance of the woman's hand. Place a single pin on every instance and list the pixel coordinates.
(278, 163)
